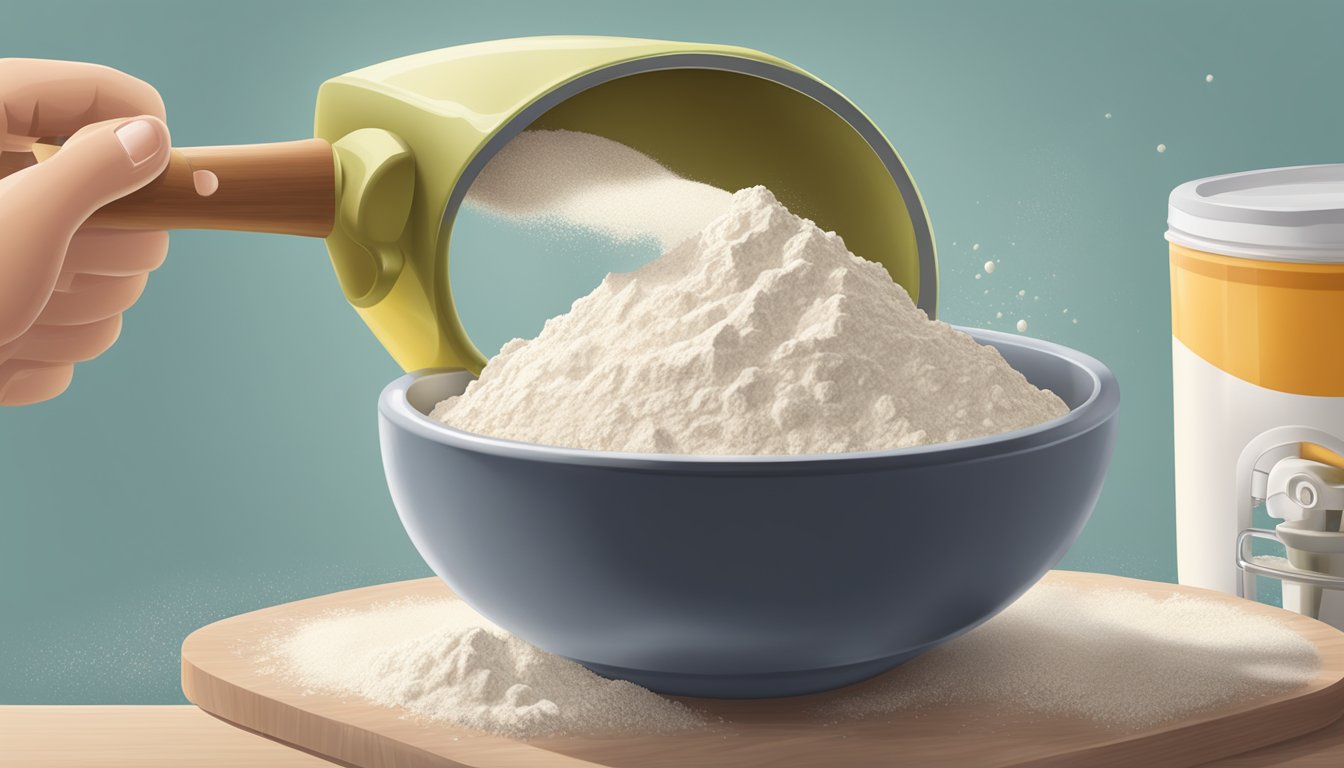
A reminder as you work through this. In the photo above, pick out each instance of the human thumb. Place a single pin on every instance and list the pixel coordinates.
(100, 163)
(43, 205)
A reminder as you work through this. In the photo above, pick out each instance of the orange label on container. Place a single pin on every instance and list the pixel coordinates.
(1278, 325)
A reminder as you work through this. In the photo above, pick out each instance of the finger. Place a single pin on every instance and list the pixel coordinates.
(41, 98)
(115, 253)
(100, 163)
(8, 351)
(69, 343)
(92, 298)
(23, 382)
(42, 206)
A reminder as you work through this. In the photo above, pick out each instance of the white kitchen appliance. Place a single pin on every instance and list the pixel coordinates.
(1257, 294)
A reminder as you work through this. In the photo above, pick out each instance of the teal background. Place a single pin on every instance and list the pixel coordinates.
(224, 457)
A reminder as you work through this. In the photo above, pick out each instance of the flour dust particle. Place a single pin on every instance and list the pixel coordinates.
(1161, 148)
(1021, 326)
(1119, 657)
(989, 267)
(440, 660)
(760, 335)
(1208, 78)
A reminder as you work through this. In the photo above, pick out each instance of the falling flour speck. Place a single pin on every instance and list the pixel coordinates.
(1108, 115)
(1208, 78)
(975, 247)
(1021, 326)
(989, 266)
(1161, 147)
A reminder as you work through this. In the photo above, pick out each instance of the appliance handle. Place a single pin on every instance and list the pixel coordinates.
(1244, 564)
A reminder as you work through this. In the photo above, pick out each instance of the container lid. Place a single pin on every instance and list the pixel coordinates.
(1280, 214)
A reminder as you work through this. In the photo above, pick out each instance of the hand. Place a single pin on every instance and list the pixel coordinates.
(64, 287)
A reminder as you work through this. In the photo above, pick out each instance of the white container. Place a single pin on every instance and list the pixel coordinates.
(1257, 294)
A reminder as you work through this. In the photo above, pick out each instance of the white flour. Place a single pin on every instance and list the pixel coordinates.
(1118, 657)
(761, 334)
(1272, 561)
(442, 660)
(595, 183)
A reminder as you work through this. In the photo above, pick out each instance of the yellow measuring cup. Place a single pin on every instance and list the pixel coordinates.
(398, 144)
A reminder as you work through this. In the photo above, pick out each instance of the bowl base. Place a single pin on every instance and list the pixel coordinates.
(757, 686)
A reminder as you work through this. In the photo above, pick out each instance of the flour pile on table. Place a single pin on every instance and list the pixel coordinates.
(441, 660)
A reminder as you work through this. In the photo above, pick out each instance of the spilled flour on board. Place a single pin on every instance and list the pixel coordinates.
(1117, 657)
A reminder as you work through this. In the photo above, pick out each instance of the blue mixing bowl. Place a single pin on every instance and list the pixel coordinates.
(749, 576)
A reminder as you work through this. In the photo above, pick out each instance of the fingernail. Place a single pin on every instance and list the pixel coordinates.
(206, 182)
(139, 139)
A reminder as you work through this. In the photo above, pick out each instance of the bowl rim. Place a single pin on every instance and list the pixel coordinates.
(1101, 405)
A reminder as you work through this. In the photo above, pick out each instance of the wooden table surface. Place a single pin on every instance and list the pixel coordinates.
(184, 736)
(223, 674)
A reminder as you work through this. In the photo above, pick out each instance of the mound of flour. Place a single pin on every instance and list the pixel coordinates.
(761, 334)
(441, 660)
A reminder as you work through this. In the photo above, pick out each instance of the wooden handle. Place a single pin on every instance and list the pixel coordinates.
(287, 188)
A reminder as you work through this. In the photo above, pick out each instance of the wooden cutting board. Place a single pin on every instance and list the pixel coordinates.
(223, 674)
